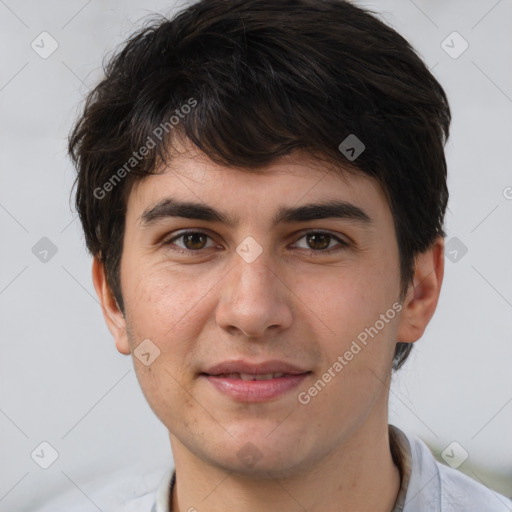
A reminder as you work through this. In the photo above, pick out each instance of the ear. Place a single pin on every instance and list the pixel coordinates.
(113, 315)
(422, 296)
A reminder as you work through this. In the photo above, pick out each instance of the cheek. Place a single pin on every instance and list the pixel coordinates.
(347, 300)
(358, 346)
(163, 304)
(350, 302)
(164, 308)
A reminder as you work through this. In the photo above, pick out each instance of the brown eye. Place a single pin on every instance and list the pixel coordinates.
(191, 241)
(321, 242)
(318, 241)
(194, 241)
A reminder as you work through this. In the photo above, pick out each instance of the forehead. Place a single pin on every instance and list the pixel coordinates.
(291, 180)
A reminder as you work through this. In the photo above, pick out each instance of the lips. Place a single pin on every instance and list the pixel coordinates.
(248, 376)
(255, 382)
(245, 370)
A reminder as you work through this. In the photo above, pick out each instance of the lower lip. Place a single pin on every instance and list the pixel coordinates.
(256, 390)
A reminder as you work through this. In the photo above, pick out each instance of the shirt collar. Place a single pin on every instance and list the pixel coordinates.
(401, 452)
(164, 493)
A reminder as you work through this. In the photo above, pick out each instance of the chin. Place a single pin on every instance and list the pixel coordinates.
(266, 468)
(257, 454)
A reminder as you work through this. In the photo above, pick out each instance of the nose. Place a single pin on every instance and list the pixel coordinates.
(254, 300)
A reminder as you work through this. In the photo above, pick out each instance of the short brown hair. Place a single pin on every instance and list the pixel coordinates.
(267, 77)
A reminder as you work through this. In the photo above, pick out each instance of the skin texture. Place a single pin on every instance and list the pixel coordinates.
(288, 304)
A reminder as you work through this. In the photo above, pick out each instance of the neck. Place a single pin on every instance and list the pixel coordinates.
(359, 475)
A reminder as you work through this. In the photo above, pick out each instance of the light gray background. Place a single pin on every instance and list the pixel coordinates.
(61, 378)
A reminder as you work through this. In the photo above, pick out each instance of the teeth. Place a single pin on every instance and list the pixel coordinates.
(247, 376)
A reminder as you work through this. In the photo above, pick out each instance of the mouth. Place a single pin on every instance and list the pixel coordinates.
(245, 382)
(268, 369)
(248, 376)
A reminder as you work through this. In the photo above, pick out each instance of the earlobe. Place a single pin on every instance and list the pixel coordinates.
(113, 315)
(422, 297)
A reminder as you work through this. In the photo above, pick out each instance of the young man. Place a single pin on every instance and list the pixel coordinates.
(262, 184)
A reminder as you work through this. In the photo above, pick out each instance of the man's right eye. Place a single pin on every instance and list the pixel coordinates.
(192, 241)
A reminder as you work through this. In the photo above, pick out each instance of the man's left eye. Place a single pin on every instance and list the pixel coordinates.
(320, 241)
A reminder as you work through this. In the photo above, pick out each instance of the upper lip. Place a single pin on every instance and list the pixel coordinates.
(240, 366)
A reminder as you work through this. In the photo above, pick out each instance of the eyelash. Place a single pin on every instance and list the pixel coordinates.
(319, 252)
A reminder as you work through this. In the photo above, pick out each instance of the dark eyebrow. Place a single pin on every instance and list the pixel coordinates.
(326, 210)
(173, 208)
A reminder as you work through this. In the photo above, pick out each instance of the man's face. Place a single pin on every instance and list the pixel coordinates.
(299, 291)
